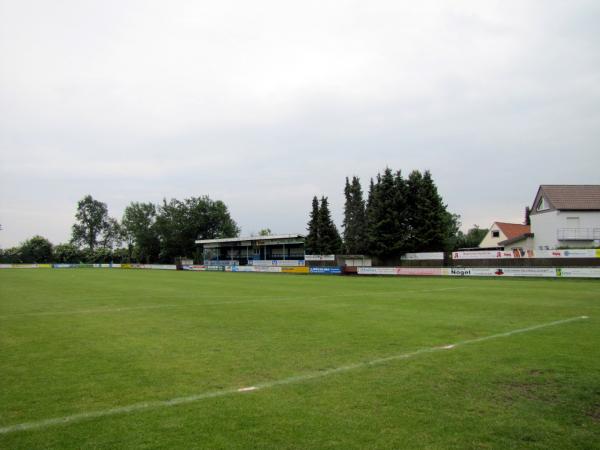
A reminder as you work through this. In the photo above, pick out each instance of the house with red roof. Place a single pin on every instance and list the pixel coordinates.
(501, 232)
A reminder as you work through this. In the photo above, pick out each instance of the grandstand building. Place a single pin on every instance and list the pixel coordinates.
(248, 250)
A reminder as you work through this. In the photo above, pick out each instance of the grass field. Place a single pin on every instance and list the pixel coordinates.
(152, 359)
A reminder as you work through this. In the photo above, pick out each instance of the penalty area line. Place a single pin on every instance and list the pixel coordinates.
(290, 380)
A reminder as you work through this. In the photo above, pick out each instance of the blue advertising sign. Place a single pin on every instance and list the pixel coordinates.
(326, 270)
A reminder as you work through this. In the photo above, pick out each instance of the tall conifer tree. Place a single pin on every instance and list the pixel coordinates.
(434, 226)
(383, 217)
(329, 238)
(354, 218)
(312, 244)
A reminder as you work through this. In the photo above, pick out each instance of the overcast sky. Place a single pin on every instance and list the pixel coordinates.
(265, 104)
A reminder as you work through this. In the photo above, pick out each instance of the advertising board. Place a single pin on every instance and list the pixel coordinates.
(294, 269)
(424, 256)
(568, 253)
(242, 269)
(482, 254)
(267, 269)
(326, 270)
(27, 266)
(578, 272)
(277, 262)
(319, 257)
(547, 272)
(518, 253)
(427, 271)
(376, 270)
(197, 268)
(415, 271)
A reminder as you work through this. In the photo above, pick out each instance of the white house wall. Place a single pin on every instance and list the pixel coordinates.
(489, 241)
(524, 244)
(545, 228)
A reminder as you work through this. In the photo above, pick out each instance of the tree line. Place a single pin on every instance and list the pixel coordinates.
(399, 215)
(146, 233)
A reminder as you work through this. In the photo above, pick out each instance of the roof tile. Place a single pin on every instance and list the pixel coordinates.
(512, 230)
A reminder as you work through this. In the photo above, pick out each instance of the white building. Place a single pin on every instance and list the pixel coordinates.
(502, 231)
(562, 216)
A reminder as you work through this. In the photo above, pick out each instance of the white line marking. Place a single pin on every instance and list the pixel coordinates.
(269, 384)
(84, 311)
(247, 389)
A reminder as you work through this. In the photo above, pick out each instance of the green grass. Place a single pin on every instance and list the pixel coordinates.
(75, 341)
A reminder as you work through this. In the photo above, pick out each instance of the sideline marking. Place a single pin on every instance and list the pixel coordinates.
(247, 389)
(294, 379)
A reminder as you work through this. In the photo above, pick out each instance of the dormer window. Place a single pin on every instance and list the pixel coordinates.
(541, 206)
(495, 233)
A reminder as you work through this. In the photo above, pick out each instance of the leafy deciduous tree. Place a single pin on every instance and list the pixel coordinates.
(38, 249)
(93, 226)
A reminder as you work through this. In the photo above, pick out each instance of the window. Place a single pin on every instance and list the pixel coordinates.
(541, 206)
(495, 233)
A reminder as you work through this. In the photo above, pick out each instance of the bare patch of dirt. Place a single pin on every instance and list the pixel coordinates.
(594, 413)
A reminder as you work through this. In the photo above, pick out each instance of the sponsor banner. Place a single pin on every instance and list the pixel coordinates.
(159, 266)
(518, 253)
(319, 257)
(225, 262)
(194, 267)
(358, 262)
(527, 272)
(151, 266)
(242, 269)
(269, 269)
(470, 272)
(503, 272)
(326, 270)
(72, 266)
(568, 253)
(424, 256)
(277, 262)
(215, 268)
(579, 272)
(376, 271)
(427, 271)
(482, 254)
(25, 266)
(294, 269)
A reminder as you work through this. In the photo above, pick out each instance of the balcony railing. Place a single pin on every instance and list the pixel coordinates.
(578, 234)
